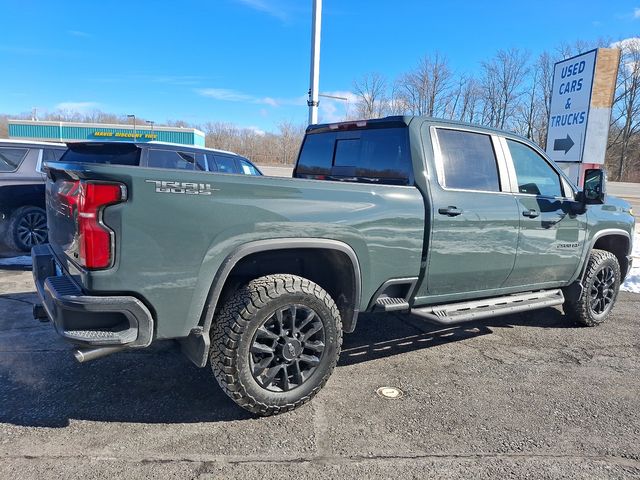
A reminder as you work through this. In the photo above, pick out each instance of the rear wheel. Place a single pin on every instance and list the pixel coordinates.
(601, 285)
(275, 343)
(27, 228)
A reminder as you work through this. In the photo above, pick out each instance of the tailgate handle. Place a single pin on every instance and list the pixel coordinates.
(450, 211)
(530, 213)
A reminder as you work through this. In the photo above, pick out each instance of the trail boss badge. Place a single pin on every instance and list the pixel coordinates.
(186, 188)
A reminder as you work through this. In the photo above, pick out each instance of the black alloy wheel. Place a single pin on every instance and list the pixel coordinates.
(275, 342)
(287, 348)
(598, 289)
(602, 293)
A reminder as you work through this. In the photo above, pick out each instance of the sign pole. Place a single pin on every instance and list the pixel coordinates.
(314, 81)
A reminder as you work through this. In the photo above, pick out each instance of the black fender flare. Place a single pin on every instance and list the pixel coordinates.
(196, 345)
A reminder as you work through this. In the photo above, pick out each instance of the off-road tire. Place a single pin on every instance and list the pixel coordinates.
(19, 218)
(234, 332)
(581, 309)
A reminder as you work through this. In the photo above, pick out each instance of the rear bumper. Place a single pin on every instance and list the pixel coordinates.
(88, 320)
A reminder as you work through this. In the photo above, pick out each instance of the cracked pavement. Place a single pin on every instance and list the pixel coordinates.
(521, 396)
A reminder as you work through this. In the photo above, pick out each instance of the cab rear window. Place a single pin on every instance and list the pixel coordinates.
(369, 156)
(111, 154)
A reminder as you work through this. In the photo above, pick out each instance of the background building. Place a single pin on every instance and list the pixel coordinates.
(74, 131)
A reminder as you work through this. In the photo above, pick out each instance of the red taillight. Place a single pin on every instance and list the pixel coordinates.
(95, 244)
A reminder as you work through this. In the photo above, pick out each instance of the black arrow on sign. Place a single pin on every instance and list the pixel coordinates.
(565, 144)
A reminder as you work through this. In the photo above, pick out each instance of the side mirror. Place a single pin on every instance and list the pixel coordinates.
(593, 191)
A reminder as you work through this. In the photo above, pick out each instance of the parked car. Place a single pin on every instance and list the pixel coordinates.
(260, 276)
(160, 155)
(23, 221)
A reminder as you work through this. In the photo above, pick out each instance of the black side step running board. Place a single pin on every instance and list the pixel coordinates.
(490, 307)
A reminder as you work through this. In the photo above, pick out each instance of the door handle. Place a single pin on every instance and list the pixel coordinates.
(450, 211)
(531, 213)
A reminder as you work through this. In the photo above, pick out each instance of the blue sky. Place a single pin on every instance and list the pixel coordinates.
(247, 61)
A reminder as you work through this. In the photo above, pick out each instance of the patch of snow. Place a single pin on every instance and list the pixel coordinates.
(632, 283)
(23, 261)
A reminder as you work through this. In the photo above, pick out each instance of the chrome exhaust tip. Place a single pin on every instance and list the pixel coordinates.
(87, 354)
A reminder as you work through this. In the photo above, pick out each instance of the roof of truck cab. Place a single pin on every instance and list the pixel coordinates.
(405, 121)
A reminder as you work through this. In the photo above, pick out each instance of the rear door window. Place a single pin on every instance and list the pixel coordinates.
(468, 161)
(226, 164)
(535, 176)
(11, 158)
(171, 159)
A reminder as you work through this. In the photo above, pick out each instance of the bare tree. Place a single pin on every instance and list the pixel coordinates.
(528, 109)
(567, 50)
(626, 107)
(397, 104)
(370, 90)
(290, 139)
(463, 99)
(502, 81)
(425, 90)
(545, 68)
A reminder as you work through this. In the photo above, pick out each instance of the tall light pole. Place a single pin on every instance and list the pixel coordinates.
(152, 123)
(135, 137)
(314, 81)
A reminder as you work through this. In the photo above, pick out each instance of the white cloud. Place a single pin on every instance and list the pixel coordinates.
(636, 13)
(270, 7)
(279, 102)
(77, 106)
(230, 95)
(178, 80)
(256, 130)
(627, 44)
(336, 110)
(270, 101)
(226, 94)
(630, 47)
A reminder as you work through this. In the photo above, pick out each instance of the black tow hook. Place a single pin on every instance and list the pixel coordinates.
(39, 313)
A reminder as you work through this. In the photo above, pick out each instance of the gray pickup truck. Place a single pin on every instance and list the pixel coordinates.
(260, 276)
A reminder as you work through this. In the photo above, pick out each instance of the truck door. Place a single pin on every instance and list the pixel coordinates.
(474, 230)
(552, 234)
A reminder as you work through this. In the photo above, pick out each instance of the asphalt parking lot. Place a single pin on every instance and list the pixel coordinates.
(524, 396)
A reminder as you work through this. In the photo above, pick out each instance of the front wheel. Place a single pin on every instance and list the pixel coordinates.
(601, 285)
(275, 343)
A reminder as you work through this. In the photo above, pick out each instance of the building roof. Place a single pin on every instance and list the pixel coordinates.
(141, 126)
(32, 142)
